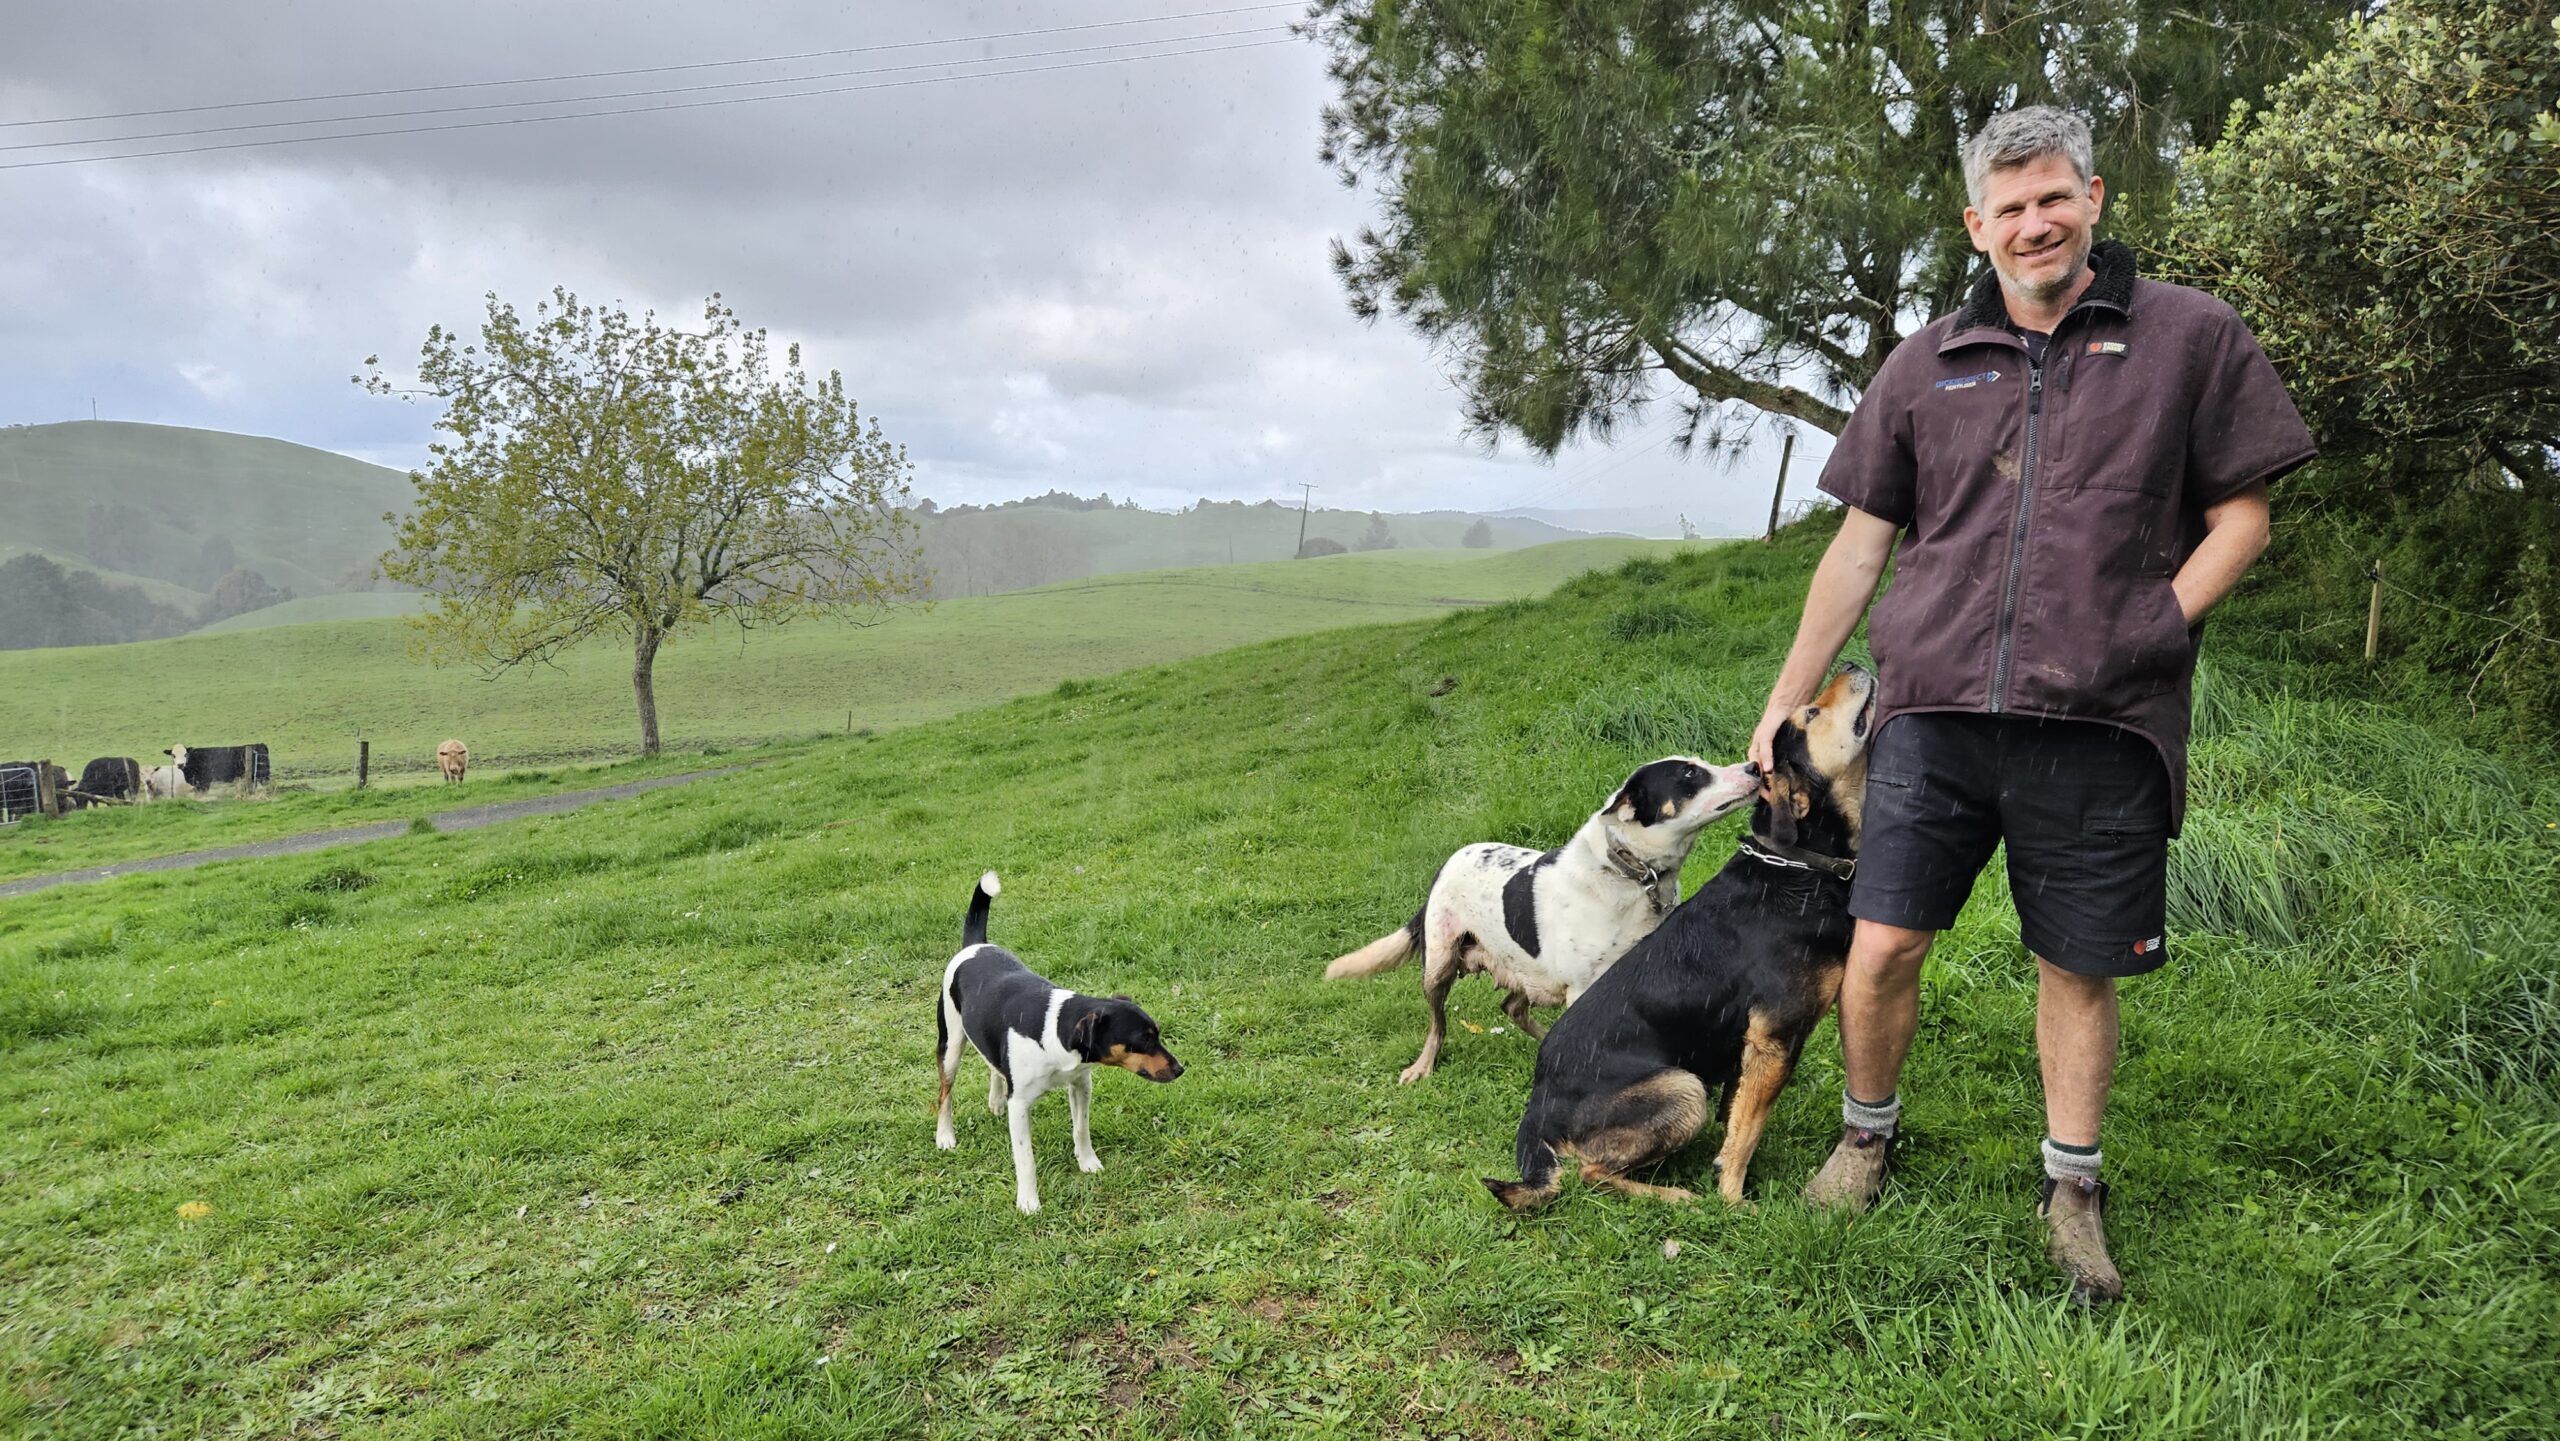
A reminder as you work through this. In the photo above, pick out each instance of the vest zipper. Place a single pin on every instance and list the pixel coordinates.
(2018, 536)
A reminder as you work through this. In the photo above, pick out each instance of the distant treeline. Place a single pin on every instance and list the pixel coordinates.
(1046, 500)
(45, 604)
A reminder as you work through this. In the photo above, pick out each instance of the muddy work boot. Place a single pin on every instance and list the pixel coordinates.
(2076, 1238)
(1851, 1179)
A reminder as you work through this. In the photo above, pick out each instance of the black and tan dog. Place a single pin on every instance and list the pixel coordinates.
(1723, 993)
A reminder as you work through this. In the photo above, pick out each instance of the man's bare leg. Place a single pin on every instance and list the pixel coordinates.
(2076, 1036)
(2076, 1042)
(1880, 1005)
(1879, 1014)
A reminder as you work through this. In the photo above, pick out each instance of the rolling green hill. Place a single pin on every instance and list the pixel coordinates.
(986, 550)
(171, 510)
(616, 1124)
(310, 690)
(305, 610)
(183, 506)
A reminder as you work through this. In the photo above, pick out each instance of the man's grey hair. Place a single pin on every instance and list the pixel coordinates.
(2021, 137)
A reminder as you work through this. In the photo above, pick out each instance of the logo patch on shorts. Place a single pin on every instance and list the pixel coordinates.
(1968, 382)
(2144, 948)
(2105, 347)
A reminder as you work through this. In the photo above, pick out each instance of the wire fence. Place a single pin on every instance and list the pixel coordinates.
(18, 793)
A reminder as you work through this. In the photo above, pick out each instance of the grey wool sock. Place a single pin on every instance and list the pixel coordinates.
(2070, 1163)
(1881, 1117)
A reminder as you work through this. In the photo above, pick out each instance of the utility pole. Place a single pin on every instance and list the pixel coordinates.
(1308, 493)
(1779, 496)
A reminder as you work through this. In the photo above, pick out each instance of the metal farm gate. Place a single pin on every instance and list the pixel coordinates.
(17, 792)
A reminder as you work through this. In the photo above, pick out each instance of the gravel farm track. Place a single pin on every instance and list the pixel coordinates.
(467, 818)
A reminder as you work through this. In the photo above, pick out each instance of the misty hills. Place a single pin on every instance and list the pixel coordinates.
(113, 530)
(176, 510)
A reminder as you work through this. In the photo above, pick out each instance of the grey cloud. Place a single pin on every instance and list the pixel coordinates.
(1107, 278)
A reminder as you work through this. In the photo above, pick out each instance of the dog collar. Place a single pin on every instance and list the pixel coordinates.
(1637, 869)
(1796, 858)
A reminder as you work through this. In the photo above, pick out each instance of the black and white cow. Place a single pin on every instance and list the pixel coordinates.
(204, 767)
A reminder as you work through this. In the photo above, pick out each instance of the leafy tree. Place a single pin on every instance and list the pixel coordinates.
(238, 592)
(215, 559)
(1756, 198)
(1317, 545)
(1479, 536)
(42, 604)
(2390, 227)
(1377, 536)
(123, 538)
(601, 475)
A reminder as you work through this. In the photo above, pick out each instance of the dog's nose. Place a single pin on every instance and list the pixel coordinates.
(1751, 769)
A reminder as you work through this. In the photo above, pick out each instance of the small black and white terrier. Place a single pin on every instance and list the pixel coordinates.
(1035, 1037)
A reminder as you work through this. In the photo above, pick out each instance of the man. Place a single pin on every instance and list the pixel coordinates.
(2075, 465)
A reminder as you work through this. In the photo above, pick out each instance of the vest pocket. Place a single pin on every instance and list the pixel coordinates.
(2113, 424)
(2154, 650)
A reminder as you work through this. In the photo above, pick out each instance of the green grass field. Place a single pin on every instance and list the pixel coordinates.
(309, 691)
(617, 1124)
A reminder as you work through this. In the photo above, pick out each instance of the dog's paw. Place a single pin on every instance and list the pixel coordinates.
(1027, 1205)
(945, 1141)
(1412, 1073)
(1088, 1164)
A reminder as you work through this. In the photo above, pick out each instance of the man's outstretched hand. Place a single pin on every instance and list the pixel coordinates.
(1764, 737)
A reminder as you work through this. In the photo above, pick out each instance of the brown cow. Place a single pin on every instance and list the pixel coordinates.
(452, 758)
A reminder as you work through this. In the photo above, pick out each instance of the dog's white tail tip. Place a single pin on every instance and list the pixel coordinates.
(1384, 953)
(990, 884)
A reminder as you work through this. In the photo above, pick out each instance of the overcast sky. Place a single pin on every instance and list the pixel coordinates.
(1110, 277)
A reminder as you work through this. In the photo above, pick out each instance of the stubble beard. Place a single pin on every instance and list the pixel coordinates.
(2045, 292)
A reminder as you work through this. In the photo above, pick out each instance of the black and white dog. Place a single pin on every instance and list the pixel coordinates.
(1035, 1037)
(1546, 926)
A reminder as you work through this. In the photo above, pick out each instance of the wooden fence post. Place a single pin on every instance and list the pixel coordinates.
(1778, 496)
(364, 762)
(2373, 616)
(48, 796)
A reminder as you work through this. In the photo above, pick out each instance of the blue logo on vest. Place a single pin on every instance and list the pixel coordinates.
(1968, 382)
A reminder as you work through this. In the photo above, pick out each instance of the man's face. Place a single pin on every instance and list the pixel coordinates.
(2037, 222)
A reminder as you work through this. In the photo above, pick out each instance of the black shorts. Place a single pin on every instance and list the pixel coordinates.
(2084, 808)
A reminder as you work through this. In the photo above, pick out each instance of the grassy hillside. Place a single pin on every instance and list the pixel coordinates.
(304, 610)
(309, 691)
(616, 1124)
(148, 500)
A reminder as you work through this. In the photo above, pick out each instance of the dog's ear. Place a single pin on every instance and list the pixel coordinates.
(1080, 1034)
(1622, 805)
(1787, 807)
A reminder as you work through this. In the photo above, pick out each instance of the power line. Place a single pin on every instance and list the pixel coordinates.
(652, 69)
(640, 109)
(632, 94)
